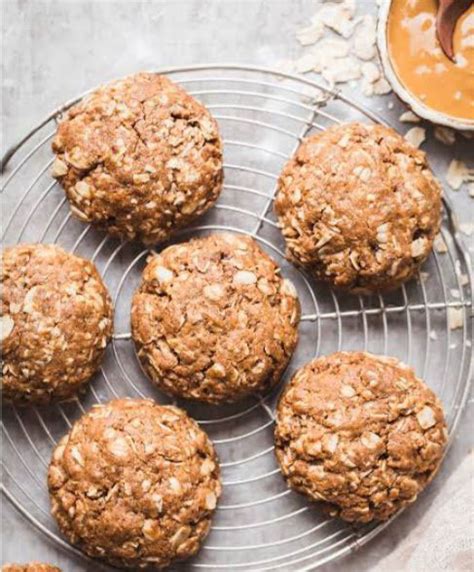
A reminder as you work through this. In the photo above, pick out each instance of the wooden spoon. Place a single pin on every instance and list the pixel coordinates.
(449, 12)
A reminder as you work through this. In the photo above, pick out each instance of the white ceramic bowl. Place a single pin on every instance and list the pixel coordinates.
(416, 105)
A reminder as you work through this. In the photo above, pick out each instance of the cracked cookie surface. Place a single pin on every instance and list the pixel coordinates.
(359, 207)
(213, 320)
(139, 157)
(360, 432)
(30, 567)
(135, 483)
(57, 318)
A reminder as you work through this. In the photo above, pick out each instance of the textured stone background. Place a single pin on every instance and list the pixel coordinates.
(55, 49)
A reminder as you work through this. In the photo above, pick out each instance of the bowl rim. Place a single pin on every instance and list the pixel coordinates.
(400, 90)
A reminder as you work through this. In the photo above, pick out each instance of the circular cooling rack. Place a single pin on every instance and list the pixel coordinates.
(259, 524)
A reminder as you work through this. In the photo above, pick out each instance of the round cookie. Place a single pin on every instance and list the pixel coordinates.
(135, 483)
(30, 567)
(56, 322)
(360, 432)
(213, 320)
(359, 207)
(139, 157)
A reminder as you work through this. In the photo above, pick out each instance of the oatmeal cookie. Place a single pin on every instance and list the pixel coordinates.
(360, 432)
(213, 320)
(135, 483)
(30, 567)
(139, 157)
(359, 207)
(56, 322)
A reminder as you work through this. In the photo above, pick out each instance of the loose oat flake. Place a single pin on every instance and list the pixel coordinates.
(458, 173)
(416, 136)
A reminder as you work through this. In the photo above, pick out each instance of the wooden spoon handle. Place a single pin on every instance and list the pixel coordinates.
(449, 12)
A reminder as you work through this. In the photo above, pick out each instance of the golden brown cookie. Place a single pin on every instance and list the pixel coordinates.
(139, 157)
(359, 207)
(360, 432)
(30, 567)
(213, 320)
(57, 318)
(135, 484)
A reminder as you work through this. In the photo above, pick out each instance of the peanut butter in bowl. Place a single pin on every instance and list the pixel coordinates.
(436, 88)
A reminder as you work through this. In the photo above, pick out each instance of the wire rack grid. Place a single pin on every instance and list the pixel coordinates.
(259, 524)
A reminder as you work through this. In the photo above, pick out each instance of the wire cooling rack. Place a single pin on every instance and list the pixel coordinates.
(259, 524)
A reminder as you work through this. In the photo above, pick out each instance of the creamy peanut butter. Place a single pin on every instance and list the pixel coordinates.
(421, 65)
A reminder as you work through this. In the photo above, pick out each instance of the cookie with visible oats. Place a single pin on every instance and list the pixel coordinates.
(135, 483)
(139, 157)
(360, 432)
(30, 567)
(359, 207)
(57, 318)
(213, 320)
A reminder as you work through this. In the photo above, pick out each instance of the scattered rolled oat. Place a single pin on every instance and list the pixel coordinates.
(359, 207)
(286, 66)
(383, 451)
(341, 70)
(364, 38)
(327, 51)
(455, 318)
(458, 173)
(139, 157)
(370, 71)
(333, 48)
(56, 322)
(308, 62)
(135, 484)
(224, 327)
(415, 136)
(311, 34)
(463, 278)
(445, 135)
(338, 17)
(409, 117)
(381, 87)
